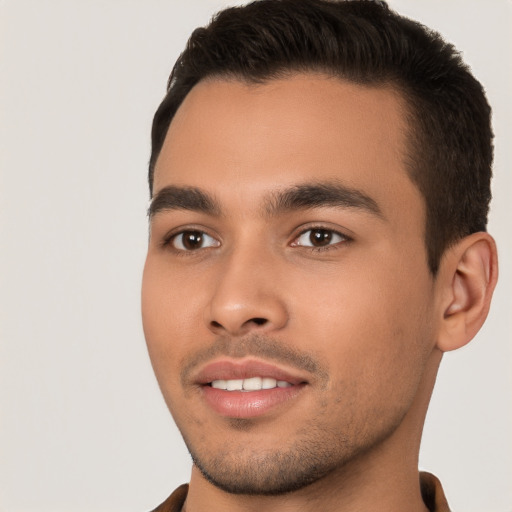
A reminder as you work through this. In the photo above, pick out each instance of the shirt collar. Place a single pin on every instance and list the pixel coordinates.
(431, 492)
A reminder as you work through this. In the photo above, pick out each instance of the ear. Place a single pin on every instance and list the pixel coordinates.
(468, 275)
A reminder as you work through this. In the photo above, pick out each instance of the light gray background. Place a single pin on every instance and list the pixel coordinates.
(83, 425)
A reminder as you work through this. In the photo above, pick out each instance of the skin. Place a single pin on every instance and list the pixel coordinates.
(362, 310)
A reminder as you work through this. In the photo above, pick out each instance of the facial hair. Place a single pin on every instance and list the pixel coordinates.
(319, 448)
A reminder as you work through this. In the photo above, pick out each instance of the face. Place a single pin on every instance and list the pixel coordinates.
(287, 302)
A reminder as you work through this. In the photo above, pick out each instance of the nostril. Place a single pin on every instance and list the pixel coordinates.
(238, 327)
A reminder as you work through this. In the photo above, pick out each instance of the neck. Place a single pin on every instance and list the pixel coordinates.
(385, 478)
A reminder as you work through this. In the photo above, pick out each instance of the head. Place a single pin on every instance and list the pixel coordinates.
(320, 180)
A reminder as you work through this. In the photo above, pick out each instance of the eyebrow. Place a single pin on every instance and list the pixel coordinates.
(183, 198)
(318, 195)
(299, 197)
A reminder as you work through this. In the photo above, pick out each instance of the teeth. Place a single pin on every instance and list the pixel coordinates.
(219, 384)
(253, 384)
(234, 385)
(267, 383)
(250, 384)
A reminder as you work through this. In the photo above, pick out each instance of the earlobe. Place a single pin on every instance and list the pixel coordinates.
(468, 277)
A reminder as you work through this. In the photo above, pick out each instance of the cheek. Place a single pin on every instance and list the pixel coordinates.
(373, 333)
(165, 317)
(170, 302)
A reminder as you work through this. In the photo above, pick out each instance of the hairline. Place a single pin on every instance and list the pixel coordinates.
(402, 93)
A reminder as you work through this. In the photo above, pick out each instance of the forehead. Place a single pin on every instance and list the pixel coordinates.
(235, 138)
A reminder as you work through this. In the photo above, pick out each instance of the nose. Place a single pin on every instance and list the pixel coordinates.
(247, 296)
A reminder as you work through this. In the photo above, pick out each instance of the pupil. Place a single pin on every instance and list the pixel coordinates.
(320, 237)
(192, 239)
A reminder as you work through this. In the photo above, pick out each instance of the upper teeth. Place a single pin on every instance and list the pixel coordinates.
(251, 384)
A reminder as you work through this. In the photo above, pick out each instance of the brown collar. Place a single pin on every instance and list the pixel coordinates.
(431, 492)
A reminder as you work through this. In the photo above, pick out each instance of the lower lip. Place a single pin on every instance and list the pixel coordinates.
(249, 404)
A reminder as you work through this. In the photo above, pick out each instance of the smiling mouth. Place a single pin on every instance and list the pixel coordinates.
(247, 388)
(249, 384)
(250, 397)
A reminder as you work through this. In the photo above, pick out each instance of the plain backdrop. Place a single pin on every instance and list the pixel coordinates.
(83, 426)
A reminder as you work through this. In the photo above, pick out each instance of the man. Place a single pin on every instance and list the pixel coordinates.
(320, 186)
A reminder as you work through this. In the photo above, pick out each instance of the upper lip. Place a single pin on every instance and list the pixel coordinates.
(228, 369)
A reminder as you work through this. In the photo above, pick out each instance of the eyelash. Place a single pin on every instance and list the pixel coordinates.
(167, 242)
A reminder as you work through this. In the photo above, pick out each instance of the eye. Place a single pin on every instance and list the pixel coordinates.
(319, 237)
(193, 240)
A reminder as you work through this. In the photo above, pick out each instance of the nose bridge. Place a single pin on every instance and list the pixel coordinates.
(246, 295)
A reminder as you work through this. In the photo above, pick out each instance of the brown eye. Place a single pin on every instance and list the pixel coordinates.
(319, 237)
(193, 240)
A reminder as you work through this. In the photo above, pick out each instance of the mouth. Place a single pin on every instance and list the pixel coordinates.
(248, 389)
